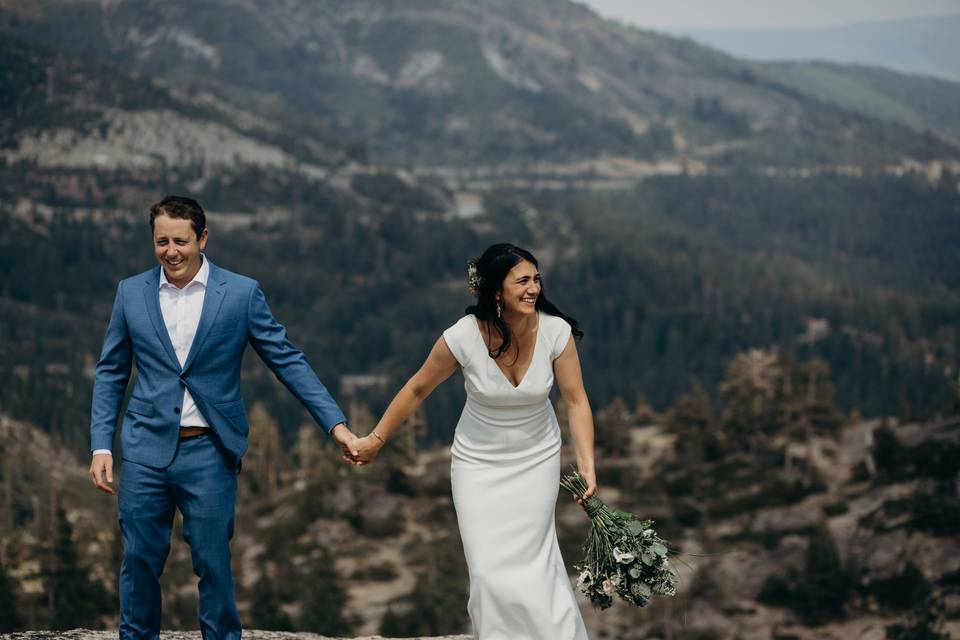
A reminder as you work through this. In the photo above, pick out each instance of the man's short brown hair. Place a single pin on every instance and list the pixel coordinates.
(180, 207)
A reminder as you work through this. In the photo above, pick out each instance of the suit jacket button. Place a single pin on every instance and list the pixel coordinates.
(176, 409)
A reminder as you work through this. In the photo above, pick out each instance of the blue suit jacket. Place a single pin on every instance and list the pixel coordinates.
(235, 312)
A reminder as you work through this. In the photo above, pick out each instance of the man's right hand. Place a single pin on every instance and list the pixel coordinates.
(347, 442)
(101, 472)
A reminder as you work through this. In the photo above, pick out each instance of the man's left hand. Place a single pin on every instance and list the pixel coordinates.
(348, 443)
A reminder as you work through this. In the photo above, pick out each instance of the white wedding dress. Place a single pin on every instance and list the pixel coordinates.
(505, 472)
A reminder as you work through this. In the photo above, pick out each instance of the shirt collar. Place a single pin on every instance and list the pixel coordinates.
(201, 278)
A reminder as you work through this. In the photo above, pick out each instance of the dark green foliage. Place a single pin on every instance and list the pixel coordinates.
(74, 599)
(824, 585)
(935, 513)
(377, 526)
(438, 604)
(685, 512)
(9, 616)
(820, 592)
(935, 459)
(376, 573)
(265, 611)
(324, 599)
(902, 592)
(835, 509)
(776, 592)
(390, 190)
(692, 420)
(924, 623)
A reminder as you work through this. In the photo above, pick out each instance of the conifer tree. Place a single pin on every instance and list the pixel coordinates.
(73, 600)
(9, 616)
(265, 610)
(325, 599)
(265, 458)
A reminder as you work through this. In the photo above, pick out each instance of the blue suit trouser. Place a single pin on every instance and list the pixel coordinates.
(202, 484)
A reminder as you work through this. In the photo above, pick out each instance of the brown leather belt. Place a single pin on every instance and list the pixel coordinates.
(192, 432)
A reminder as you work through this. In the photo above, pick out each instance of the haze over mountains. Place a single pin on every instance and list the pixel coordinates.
(926, 46)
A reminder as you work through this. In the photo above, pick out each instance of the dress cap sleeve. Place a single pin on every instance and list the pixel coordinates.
(460, 337)
(559, 335)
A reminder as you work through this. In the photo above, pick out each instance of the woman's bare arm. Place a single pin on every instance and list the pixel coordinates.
(437, 368)
(569, 377)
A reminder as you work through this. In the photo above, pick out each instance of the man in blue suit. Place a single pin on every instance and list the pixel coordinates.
(186, 325)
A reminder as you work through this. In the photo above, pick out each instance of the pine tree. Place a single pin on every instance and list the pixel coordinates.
(308, 452)
(265, 457)
(824, 586)
(323, 605)
(752, 390)
(265, 610)
(691, 420)
(9, 616)
(614, 426)
(73, 599)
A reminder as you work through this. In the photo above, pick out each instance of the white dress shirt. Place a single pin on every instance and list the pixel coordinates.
(181, 314)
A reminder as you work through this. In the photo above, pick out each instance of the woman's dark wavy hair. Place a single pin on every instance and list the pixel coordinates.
(492, 267)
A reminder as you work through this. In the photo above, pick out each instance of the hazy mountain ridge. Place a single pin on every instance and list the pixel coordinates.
(922, 45)
(921, 103)
(490, 83)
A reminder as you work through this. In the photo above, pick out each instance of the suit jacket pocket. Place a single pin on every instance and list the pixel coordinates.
(140, 407)
(231, 409)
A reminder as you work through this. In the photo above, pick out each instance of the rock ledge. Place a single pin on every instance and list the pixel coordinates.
(85, 634)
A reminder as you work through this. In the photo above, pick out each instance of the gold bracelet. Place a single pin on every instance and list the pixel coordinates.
(377, 436)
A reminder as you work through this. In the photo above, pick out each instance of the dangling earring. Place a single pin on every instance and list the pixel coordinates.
(498, 308)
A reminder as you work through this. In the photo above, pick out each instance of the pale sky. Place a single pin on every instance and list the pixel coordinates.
(679, 15)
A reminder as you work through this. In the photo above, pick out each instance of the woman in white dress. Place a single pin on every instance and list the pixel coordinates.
(505, 466)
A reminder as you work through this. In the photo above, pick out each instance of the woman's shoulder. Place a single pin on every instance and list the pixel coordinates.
(553, 325)
(465, 323)
(556, 331)
(459, 337)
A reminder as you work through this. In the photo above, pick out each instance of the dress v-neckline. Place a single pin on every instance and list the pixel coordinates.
(533, 355)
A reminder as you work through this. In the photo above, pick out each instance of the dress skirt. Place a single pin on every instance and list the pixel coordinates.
(505, 472)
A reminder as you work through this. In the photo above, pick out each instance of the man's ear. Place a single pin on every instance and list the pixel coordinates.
(202, 241)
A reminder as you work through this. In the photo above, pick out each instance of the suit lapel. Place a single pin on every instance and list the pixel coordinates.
(212, 299)
(151, 296)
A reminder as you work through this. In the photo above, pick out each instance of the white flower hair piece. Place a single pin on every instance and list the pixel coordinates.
(474, 279)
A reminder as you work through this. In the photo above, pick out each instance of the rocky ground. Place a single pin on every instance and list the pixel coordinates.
(85, 634)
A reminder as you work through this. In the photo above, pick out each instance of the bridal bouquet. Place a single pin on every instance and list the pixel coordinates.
(622, 555)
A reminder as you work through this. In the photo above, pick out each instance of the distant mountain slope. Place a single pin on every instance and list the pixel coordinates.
(922, 103)
(466, 83)
(926, 46)
(63, 110)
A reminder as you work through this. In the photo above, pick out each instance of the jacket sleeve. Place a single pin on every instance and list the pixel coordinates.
(112, 375)
(269, 340)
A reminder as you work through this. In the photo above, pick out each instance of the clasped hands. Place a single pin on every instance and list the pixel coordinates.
(356, 451)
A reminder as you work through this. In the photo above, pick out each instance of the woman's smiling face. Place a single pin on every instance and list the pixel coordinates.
(520, 289)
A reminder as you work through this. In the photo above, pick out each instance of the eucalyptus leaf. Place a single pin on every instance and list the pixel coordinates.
(647, 558)
(635, 528)
(634, 572)
(645, 590)
(658, 549)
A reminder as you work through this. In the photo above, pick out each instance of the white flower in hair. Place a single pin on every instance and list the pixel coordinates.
(474, 279)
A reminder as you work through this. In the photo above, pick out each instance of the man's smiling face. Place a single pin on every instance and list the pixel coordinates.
(177, 248)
